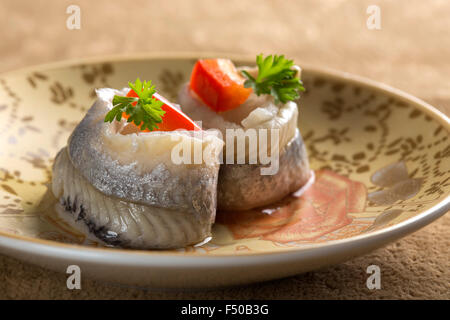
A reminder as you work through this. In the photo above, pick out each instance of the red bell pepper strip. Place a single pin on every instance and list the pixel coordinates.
(172, 120)
(218, 84)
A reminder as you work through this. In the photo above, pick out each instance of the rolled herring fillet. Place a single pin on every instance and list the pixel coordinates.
(122, 188)
(242, 186)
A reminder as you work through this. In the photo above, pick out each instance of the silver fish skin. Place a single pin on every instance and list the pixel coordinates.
(242, 187)
(115, 222)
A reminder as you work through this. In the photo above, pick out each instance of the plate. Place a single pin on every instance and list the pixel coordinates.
(380, 158)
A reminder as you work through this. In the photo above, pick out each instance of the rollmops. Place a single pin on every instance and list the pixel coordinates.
(115, 180)
(257, 105)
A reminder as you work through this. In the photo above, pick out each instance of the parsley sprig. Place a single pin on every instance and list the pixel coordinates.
(275, 77)
(147, 112)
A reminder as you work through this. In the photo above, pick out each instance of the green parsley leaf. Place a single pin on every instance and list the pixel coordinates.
(275, 77)
(147, 112)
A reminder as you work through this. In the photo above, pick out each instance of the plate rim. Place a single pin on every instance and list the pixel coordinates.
(144, 257)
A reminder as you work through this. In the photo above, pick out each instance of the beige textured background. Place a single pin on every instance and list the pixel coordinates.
(411, 52)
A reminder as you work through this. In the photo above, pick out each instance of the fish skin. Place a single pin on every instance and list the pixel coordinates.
(149, 202)
(116, 222)
(242, 187)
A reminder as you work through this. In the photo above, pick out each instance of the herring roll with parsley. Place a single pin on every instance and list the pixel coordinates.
(116, 180)
(261, 99)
